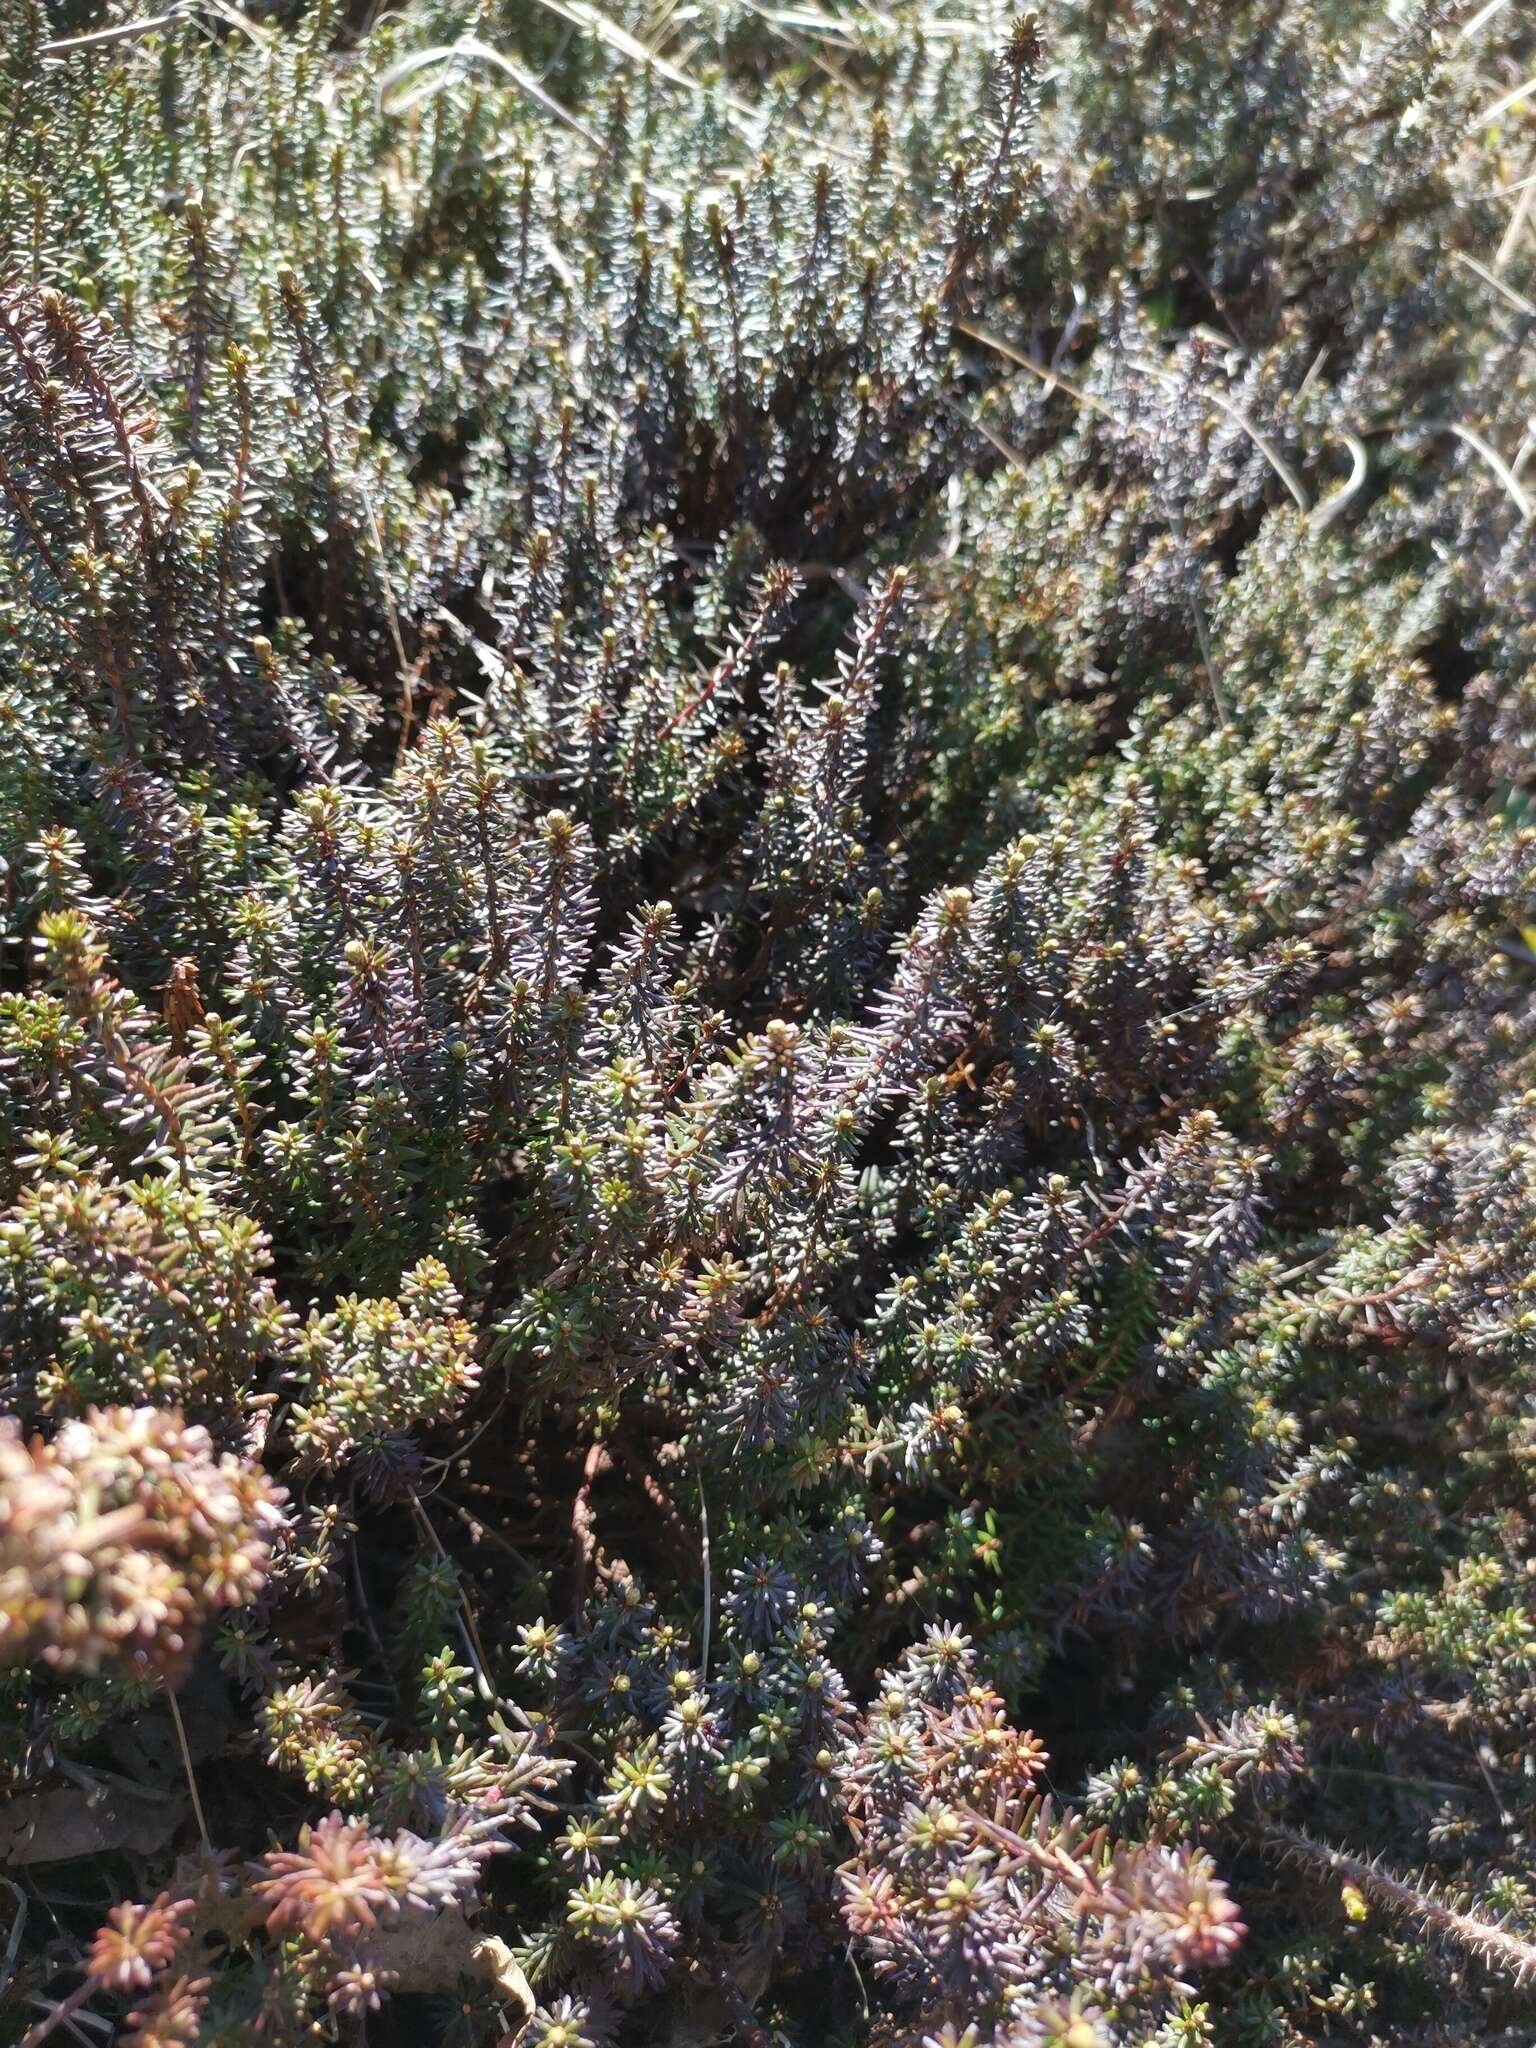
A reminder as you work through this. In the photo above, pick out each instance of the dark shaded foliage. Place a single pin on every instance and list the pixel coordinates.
(769, 900)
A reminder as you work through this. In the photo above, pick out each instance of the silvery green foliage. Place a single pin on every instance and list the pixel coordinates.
(769, 900)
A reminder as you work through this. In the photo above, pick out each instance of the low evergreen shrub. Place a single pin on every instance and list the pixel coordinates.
(767, 1048)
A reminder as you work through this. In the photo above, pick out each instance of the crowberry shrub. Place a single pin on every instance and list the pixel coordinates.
(766, 1024)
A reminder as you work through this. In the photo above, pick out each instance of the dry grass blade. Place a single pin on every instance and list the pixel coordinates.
(1266, 448)
(1514, 233)
(263, 38)
(1054, 380)
(1497, 464)
(1505, 291)
(743, 117)
(1330, 508)
(1503, 106)
(120, 32)
(442, 61)
(617, 38)
(1480, 20)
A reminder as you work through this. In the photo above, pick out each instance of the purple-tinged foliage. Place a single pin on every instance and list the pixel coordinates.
(766, 1055)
